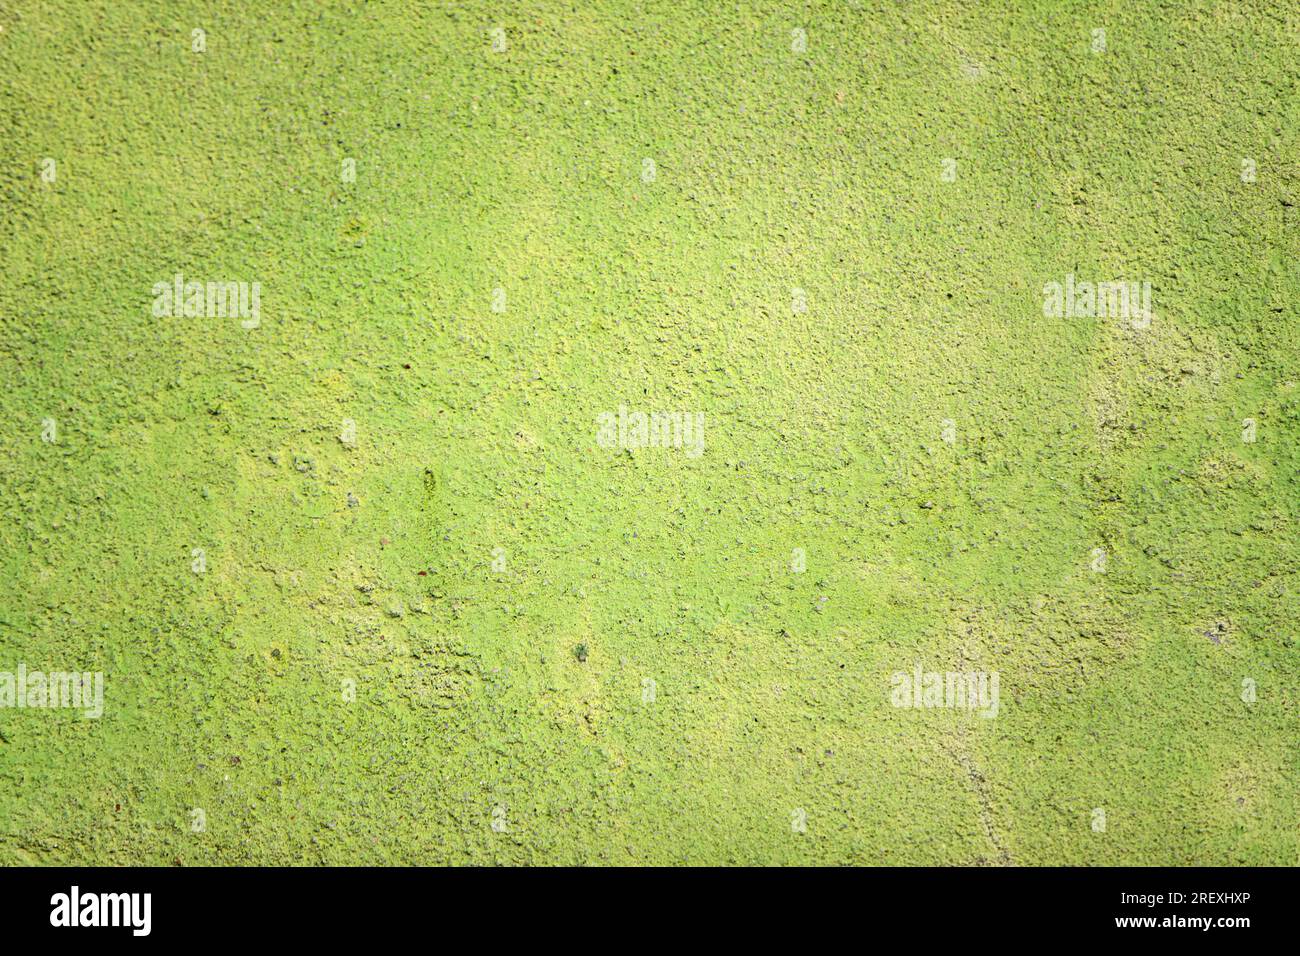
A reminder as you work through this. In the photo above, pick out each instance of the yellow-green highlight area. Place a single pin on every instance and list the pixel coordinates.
(368, 583)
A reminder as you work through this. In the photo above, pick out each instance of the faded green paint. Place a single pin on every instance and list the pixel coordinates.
(478, 733)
